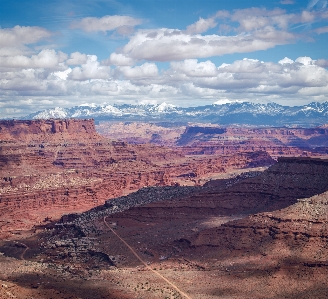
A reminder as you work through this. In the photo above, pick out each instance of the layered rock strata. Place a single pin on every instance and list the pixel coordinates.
(201, 238)
(52, 167)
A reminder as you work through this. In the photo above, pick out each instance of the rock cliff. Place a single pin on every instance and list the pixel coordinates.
(300, 228)
(52, 130)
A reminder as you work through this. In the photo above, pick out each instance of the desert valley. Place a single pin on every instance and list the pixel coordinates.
(162, 210)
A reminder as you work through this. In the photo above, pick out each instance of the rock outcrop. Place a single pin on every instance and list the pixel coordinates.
(52, 130)
(299, 229)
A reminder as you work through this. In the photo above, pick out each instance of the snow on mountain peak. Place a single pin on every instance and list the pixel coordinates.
(222, 102)
(56, 112)
(165, 107)
(230, 112)
(111, 109)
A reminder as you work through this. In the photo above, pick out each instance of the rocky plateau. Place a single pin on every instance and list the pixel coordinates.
(211, 139)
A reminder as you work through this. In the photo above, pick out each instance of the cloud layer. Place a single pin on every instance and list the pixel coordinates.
(33, 79)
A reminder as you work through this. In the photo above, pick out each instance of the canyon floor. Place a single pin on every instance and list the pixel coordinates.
(201, 225)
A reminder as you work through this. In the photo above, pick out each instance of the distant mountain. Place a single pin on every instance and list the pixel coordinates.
(245, 113)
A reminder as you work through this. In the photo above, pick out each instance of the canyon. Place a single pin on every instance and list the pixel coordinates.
(211, 139)
(257, 233)
(210, 212)
(52, 167)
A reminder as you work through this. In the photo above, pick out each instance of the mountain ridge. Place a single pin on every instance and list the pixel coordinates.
(313, 114)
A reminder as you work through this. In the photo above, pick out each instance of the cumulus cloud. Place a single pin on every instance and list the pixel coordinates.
(22, 35)
(187, 80)
(13, 41)
(305, 60)
(322, 62)
(63, 74)
(192, 68)
(77, 58)
(91, 69)
(123, 24)
(253, 29)
(119, 60)
(202, 25)
(286, 60)
(45, 59)
(169, 44)
(105, 88)
(146, 70)
(287, 73)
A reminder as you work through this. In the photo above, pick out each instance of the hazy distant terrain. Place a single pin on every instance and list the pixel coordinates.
(313, 114)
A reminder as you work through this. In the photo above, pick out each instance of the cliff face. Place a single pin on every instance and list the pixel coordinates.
(297, 235)
(278, 187)
(299, 229)
(275, 141)
(47, 130)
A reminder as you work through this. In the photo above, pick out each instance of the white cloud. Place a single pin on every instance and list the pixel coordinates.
(13, 41)
(321, 30)
(286, 60)
(91, 69)
(250, 75)
(305, 60)
(77, 58)
(169, 44)
(257, 29)
(105, 88)
(307, 16)
(107, 23)
(190, 82)
(45, 59)
(322, 62)
(21, 35)
(64, 74)
(202, 25)
(192, 68)
(222, 101)
(146, 70)
(257, 18)
(119, 59)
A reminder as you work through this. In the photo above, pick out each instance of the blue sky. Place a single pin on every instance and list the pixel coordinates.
(186, 53)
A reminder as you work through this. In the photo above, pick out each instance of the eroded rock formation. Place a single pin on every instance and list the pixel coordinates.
(206, 239)
(52, 167)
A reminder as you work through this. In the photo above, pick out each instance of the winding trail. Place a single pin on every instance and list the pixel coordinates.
(145, 264)
(26, 248)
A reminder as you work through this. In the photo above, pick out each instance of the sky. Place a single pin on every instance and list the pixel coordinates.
(65, 53)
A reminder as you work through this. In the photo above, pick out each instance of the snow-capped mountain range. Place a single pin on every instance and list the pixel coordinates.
(312, 114)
